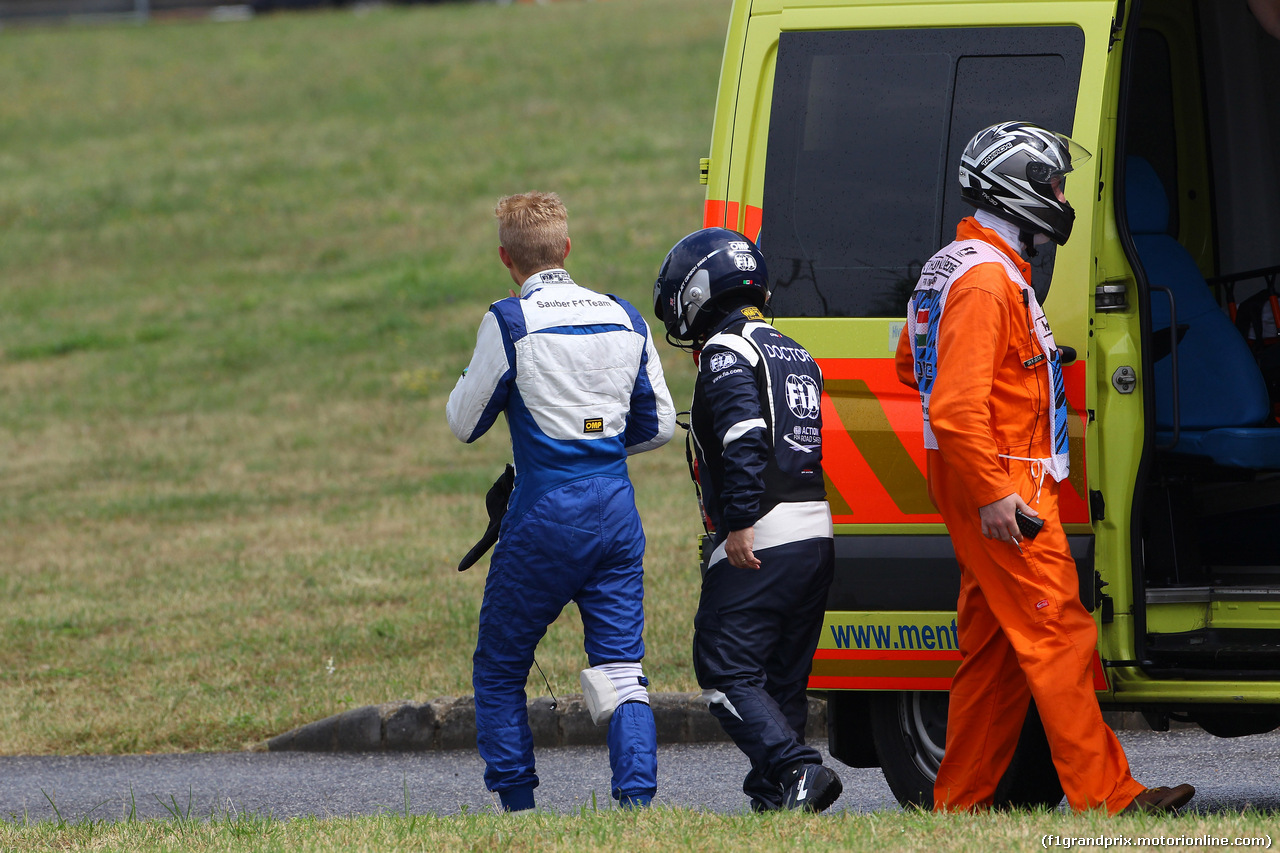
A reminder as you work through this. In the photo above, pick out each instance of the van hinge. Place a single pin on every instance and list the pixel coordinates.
(1110, 297)
(1097, 506)
(704, 170)
(1100, 598)
(1117, 25)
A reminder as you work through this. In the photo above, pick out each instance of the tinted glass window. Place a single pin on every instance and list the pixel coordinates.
(1242, 99)
(1150, 124)
(865, 136)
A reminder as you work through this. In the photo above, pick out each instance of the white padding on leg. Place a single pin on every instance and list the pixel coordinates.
(599, 694)
(609, 685)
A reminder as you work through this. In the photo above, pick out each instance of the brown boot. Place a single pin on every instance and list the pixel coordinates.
(1154, 800)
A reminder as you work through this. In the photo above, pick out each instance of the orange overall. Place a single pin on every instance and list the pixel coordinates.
(1023, 632)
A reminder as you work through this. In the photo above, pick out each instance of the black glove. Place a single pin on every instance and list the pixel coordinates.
(496, 503)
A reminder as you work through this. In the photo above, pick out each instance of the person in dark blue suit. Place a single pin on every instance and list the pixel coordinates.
(756, 424)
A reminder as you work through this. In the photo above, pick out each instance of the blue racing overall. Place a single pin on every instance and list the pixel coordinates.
(579, 379)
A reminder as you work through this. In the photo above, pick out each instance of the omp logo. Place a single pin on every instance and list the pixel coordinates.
(742, 257)
(593, 425)
(803, 397)
(722, 360)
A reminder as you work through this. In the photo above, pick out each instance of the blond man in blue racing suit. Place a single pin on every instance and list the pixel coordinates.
(579, 379)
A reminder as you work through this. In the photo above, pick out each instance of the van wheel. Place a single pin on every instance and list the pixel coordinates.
(910, 733)
(1228, 724)
(1031, 782)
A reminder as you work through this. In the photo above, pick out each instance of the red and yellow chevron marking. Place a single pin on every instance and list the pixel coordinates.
(859, 669)
(724, 214)
(873, 445)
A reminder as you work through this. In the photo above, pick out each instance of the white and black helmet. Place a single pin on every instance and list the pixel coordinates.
(700, 271)
(1018, 170)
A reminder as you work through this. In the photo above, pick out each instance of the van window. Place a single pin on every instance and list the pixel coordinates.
(865, 136)
(1242, 67)
(1151, 117)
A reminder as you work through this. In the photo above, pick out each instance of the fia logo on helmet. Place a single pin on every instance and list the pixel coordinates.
(742, 257)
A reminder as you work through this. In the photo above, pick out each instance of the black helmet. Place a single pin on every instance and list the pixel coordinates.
(702, 269)
(1018, 170)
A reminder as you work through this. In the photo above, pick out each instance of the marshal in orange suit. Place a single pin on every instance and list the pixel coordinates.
(979, 350)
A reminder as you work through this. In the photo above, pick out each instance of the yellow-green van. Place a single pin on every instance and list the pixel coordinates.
(838, 130)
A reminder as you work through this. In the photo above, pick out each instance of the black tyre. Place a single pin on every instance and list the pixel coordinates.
(1031, 782)
(910, 733)
(1257, 721)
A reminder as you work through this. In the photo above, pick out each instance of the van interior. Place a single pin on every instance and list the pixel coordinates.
(1199, 208)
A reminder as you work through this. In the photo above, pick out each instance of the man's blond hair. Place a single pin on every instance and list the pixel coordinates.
(534, 229)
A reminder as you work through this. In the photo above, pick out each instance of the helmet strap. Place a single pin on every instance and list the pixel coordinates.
(1028, 239)
(679, 344)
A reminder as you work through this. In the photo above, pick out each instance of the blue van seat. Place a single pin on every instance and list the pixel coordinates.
(1225, 413)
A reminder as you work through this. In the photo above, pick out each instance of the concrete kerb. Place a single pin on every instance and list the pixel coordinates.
(449, 722)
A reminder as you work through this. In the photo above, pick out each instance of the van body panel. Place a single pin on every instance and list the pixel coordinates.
(810, 93)
(895, 650)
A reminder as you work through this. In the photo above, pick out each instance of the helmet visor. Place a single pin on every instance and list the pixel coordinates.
(1051, 178)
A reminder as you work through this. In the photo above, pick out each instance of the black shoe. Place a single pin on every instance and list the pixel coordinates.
(811, 787)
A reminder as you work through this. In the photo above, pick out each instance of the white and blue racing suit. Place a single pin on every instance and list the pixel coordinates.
(582, 387)
(757, 429)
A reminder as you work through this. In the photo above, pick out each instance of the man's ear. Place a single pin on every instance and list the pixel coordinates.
(568, 244)
(505, 257)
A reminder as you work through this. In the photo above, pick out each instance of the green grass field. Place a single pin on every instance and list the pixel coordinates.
(660, 829)
(240, 266)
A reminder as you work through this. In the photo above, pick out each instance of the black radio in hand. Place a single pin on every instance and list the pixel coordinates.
(1029, 526)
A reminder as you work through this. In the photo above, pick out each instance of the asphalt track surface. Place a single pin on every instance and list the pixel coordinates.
(1229, 775)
